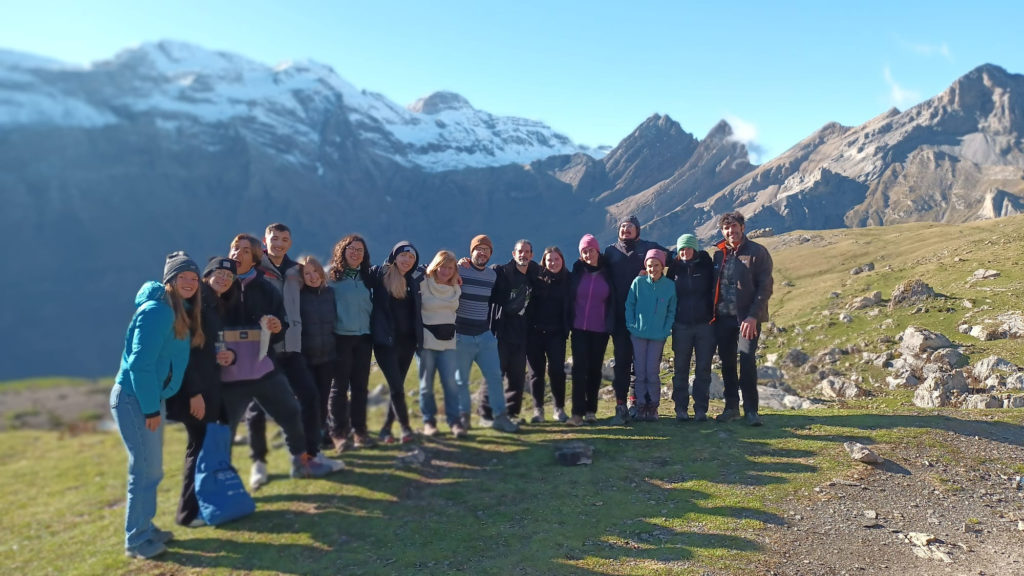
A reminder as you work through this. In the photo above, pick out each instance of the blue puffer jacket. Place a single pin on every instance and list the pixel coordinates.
(153, 362)
(651, 308)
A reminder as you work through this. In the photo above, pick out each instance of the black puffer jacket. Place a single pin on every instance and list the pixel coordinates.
(382, 320)
(547, 311)
(202, 376)
(318, 318)
(695, 288)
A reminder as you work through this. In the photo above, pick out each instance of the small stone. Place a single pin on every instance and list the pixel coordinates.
(871, 514)
(1020, 525)
(862, 453)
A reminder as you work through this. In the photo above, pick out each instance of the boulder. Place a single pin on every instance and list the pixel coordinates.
(865, 301)
(1015, 381)
(845, 318)
(776, 399)
(987, 332)
(948, 358)
(862, 453)
(795, 357)
(980, 401)
(829, 356)
(839, 388)
(906, 380)
(1012, 324)
(982, 274)
(1014, 402)
(993, 366)
(910, 292)
(939, 390)
(917, 340)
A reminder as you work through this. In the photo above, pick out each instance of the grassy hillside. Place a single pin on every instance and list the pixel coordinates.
(660, 498)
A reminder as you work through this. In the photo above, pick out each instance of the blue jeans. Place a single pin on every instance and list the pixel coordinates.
(483, 349)
(443, 363)
(145, 464)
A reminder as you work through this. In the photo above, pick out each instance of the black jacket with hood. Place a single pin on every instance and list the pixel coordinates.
(382, 320)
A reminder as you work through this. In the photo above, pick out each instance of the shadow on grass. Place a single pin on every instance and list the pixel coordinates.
(659, 498)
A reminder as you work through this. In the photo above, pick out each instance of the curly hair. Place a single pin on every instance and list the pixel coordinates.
(337, 264)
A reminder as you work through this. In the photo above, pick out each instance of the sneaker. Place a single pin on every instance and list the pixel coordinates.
(429, 429)
(146, 550)
(538, 416)
(486, 422)
(466, 421)
(387, 438)
(196, 522)
(502, 423)
(240, 439)
(459, 431)
(305, 466)
(728, 415)
(258, 475)
(334, 465)
(341, 444)
(560, 415)
(632, 412)
(576, 420)
(362, 441)
(754, 419)
(700, 416)
(590, 418)
(161, 536)
(407, 436)
(620, 416)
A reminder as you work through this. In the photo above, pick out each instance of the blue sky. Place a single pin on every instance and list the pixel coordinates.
(593, 70)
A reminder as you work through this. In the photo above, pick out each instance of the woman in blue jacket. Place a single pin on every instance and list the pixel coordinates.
(156, 351)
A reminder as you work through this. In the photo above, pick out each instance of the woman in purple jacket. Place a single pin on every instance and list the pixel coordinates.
(591, 318)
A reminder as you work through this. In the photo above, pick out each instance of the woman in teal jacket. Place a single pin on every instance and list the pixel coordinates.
(156, 349)
(650, 312)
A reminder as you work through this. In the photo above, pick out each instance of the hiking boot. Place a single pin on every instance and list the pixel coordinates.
(560, 415)
(196, 522)
(590, 418)
(334, 465)
(362, 441)
(305, 466)
(258, 475)
(502, 423)
(632, 412)
(407, 436)
(576, 420)
(683, 416)
(161, 536)
(466, 421)
(429, 429)
(538, 416)
(146, 550)
(620, 416)
(386, 438)
(754, 419)
(341, 444)
(700, 416)
(728, 415)
(459, 431)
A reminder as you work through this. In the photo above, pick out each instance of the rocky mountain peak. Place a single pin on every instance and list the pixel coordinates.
(989, 95)
(439, 102)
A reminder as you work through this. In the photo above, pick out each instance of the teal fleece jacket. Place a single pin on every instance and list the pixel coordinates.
(651, 308)
(153, 362)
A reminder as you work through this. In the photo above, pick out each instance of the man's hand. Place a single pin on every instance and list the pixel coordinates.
(748, 328)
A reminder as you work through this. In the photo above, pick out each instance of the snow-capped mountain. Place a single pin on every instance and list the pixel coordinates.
(183, 87)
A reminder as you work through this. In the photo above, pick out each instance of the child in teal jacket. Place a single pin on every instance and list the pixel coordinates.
(650, 311)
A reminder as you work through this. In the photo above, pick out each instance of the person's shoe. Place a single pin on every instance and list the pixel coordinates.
(327, 443)
(560, 415)
(466, 421)
(619, 419)
(632, 412)
(700, 416)
(590, 418)
(240, 439)
(652, 413)
(682, 414)
(728, 415)
(429, 429)
(407, 436)
(754, 419)
(258, 475)
(341, 444)
(161, 536)
(362, 441)
(538, 416)
(146, 550)
(459, 431)
(576, 420)
(305, 466)
(502, 423)
(196, 522)
(334, 465)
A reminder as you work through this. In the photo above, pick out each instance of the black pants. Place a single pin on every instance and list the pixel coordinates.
(623, 343)
(276, 397)
(546, 350)
(323, 375)
(394, 362)
(188, 504)
(351, 375)
(587, 359)
(730, 344)
(512, 357)
(293, 365)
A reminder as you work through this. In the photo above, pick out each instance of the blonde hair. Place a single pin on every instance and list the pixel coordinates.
(186, 321)
(442, 258)
(394, 282)
(312, 262)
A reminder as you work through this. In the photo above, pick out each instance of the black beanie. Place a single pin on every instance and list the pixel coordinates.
(631, 219)
(220, 263)
(178, 262)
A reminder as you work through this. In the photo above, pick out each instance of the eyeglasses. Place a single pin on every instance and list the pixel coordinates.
(223, 275)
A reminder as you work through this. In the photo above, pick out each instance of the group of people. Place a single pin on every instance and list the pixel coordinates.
(257, 333)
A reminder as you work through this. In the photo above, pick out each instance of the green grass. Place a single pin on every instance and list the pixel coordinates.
(659, 498)
(52, 382)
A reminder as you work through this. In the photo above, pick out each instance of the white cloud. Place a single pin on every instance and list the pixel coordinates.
(899, 96)
(746, 133)
(929, 50)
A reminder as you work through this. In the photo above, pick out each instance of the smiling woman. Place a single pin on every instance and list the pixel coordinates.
(156, 352)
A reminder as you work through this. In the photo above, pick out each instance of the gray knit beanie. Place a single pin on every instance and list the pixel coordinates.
(178, 262)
